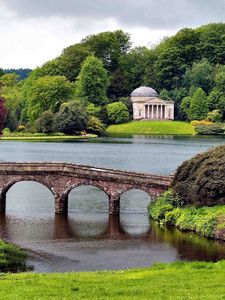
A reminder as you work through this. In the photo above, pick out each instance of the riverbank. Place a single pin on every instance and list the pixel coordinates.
(206, 221)
(161, 281)
(153, 128)
(46, 137)
(12, 258)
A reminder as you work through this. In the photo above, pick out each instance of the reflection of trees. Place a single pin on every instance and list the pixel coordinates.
(189, 245)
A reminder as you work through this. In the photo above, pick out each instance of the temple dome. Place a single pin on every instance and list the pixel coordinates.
(144, 91)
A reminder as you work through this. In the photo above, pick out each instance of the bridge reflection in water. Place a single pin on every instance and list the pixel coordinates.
(188, 245)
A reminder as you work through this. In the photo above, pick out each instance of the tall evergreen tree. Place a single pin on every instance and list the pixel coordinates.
(198, 106)
(92, 81)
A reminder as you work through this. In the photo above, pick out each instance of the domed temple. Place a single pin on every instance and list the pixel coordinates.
(148, 105)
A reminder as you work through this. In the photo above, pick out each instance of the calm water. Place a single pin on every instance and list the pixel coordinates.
(88, 239)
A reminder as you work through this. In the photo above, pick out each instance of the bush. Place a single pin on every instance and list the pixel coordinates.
(201, 180)
(214, 116)
(117, 113)
(45, 124)
(6, 132)
(201, 122)
(95, 126)
(12, 258)
(71, 118)
(212, 129)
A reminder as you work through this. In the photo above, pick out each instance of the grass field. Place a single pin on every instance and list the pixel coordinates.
(175, 281)
(152, 128)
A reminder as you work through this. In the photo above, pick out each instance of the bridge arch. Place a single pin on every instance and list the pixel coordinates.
(8, 185)
(83, 193)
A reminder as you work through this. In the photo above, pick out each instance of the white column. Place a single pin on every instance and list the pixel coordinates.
(152, 111)
(157, 112)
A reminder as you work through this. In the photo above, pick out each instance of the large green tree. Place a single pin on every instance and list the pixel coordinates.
(108, 46)
(46, 93)
(71, 118)
(92, 81)
(200, 75)
(198, 105)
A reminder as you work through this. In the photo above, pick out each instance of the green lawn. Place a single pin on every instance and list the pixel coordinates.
(173, 281)
(46, 137)
(152, 128)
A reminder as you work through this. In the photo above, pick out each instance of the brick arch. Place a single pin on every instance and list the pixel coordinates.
(85, 183)
(150, 193)
(14, 181)
(7, 187)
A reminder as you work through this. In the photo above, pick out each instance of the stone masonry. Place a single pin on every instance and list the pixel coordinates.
(61, 178)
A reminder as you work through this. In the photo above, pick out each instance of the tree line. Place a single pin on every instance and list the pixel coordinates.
(89, 84)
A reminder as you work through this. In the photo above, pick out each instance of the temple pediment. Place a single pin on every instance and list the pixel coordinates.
(156, 101)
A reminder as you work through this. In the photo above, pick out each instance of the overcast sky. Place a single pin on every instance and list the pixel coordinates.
(34, 31)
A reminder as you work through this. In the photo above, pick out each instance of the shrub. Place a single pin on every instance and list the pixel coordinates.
(45, 124)
(6, 132)
(212, 129)
(95, 126)
(12, 258)
(214, 116)
(201, 180)
(117, 113)
(71, 118)
(201, 122)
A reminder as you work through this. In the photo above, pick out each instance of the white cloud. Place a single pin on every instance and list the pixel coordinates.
(32, 32)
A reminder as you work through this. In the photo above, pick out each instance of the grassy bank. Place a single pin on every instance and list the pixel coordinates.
(12, 258)
(173, 281)
(153, 128)
(45, 137)
(206, 221)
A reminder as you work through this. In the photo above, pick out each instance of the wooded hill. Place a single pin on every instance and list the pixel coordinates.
(97, 75)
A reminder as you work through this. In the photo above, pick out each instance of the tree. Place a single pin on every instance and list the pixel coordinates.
(117, 113)
(108, 47)
(214, 116)
(216, 100)
(72, 59)
(46, 93)
(220, 81)
(1, 72)
(198, 106)
(95, 126)
(200, 75)
(185, 106)
(45, 123)
(92, 81)
(71, 118)
(169, 68)
(9, 79)
(3, 113)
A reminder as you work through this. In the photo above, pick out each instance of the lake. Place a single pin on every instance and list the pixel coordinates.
(88, 238)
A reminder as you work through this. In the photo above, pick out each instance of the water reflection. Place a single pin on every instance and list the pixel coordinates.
(89, 239)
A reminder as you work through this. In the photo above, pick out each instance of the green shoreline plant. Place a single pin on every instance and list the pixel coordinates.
(12, 258)
(169, 210)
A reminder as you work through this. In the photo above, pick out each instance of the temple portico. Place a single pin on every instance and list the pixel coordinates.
(148, 105)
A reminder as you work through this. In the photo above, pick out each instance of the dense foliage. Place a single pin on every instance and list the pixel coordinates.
(2, 113)
(117, 113)
(201, 180)
(22, 73)
(168, 210)
(188, 68)
(12, 258)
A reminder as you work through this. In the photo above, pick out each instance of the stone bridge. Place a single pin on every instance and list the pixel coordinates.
(61, 178)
